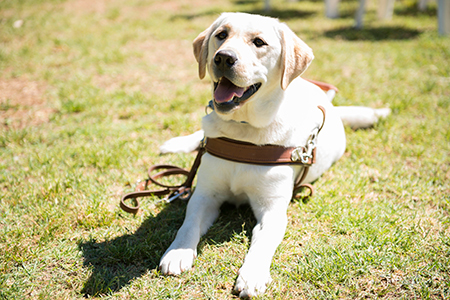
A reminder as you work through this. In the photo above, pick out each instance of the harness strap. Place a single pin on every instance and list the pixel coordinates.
(299, 185)
(322, 109)
(323, 86)
(249, 153)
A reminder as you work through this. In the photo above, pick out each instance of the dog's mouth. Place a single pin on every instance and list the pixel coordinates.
(227, 95)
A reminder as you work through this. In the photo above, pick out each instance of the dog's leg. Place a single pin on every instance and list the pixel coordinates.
(268, 233)
(182, 144)
(360, 116)
(201, 212)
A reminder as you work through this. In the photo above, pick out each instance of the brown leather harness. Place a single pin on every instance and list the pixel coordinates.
(232, 150)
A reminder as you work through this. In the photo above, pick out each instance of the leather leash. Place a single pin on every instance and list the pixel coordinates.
(228, 149)
(172, 192)
(237, 151)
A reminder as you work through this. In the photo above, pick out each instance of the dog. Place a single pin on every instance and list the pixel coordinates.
(255, 64)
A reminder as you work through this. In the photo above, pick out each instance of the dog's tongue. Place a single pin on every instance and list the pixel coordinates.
(226, 90)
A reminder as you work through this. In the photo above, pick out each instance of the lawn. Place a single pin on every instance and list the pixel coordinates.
(90, 89)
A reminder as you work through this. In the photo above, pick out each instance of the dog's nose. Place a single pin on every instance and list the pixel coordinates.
(225, 59)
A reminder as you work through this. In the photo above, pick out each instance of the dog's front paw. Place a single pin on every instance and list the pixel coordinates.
(182, 144)
(176, 261)
(252, 282)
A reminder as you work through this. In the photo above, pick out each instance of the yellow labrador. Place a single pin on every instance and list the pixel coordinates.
(254, 63)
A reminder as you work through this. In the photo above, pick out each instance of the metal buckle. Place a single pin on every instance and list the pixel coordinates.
(203, 142)
(296, 154)
(305, 154)
(184, 194)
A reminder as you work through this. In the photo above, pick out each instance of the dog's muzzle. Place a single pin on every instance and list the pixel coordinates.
(227, 95)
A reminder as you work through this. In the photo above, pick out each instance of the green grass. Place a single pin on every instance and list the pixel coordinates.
(90, 89)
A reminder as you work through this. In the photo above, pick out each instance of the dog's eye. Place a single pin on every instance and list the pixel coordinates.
(259, 42)
(222, 35)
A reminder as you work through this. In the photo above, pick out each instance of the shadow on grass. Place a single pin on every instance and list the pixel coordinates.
(412, 10)
(285, 14)
(373, 34)
(211, 12)
(117, 262)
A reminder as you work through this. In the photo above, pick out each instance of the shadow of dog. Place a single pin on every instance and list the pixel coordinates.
(116, 263)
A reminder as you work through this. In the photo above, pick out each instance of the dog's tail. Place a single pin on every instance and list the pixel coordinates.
(361, 117)
(354, 116)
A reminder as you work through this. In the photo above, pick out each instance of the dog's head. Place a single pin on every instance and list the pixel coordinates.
(248, 56)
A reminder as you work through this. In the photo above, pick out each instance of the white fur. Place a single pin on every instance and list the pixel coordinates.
(182, 144)
(272, 116)
(361, 117)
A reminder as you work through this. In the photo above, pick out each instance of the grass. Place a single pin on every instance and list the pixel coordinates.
(90, 89)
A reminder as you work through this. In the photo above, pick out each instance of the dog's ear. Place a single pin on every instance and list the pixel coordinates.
(295, 56)
(201, 51)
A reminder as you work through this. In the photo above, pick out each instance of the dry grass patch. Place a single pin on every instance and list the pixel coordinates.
(23, 104)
